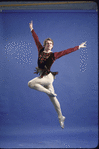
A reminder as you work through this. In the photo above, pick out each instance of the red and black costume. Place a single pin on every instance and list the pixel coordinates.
(45, 60)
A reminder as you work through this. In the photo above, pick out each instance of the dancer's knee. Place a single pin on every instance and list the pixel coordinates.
(30, 84)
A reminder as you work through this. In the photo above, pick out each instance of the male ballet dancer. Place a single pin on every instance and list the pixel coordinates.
(46, 58)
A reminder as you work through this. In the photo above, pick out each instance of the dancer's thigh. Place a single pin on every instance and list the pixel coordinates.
(46, 80)
(50, 86)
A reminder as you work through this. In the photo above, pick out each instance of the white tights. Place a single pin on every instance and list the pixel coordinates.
(44, 85)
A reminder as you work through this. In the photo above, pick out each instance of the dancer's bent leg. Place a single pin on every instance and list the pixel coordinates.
(45, 85)
(39, 83)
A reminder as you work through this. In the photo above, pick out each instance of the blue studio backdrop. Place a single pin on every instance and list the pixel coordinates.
(27, 117)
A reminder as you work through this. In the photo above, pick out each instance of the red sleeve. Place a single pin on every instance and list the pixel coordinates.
(36, 39)
(62, 53)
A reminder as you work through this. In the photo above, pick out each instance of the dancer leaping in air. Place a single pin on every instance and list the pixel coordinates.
(46, 58)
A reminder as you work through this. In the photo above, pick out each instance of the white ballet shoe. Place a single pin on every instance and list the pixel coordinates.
(52, 94)
(61, 121)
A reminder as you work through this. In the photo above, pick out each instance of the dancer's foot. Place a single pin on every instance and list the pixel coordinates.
(61, 121)
(52, 94)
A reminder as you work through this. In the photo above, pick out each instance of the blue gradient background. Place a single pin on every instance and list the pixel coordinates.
(27, 117)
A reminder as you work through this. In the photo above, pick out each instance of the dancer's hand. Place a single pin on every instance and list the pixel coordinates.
(31, 25)
(83, 45)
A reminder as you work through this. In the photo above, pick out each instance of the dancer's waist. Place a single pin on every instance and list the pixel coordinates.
(43, 72)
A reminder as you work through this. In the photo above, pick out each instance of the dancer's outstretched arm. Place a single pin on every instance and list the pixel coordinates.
(64, 52)
(36, 39)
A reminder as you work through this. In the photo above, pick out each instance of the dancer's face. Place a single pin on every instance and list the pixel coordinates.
(49, 45)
